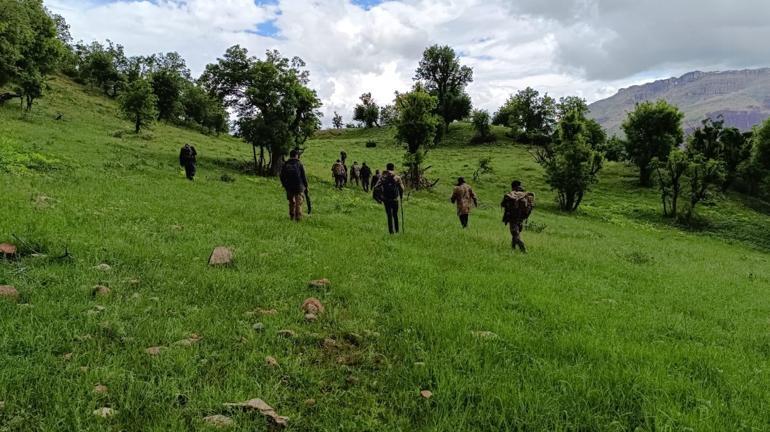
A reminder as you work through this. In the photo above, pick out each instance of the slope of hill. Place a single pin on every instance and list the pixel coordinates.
(742, 97)
(615, 320)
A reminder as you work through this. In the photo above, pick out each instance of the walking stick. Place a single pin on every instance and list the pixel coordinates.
(307, 200)
(403, 220)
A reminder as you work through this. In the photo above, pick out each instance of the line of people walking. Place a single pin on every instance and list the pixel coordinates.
(388, 189)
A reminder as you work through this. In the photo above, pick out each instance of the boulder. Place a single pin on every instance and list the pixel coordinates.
(219, 421)
(9, 292)
(221, 256)
(7, 250)
(426, 394)
(313, 306)
(101, 291)
(104, 412)
(100, 389)
(320, 283)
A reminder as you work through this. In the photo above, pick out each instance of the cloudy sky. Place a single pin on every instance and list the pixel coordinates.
(589, 48)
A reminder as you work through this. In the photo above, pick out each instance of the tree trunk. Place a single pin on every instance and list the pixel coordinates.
(137, 124)
(645, 176)
(256, 168)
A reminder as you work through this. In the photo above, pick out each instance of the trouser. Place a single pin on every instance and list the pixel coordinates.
(354, 180)
(365, 183)
(391, 209)
(516, 228)
(295, 205)
(339, 181)
(464, 220)
(189, 170)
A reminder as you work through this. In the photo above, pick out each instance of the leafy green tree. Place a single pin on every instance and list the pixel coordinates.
(569, 104)
(388, 115)
(167, 87)
(703, 173)
(416, 128)
(670, 173)
(442, 75)
(275, 107)
(652, 130)
(337, 121)
(614, 149)
(481, 125)
(530, 116)
(571, 165)
(98, 66)
(729, 145)
(138, 103)
(367, 112)
(29, 48)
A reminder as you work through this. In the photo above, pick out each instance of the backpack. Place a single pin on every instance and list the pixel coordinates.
(291, 177)
(518, 206)
(185, 155)
(390, 189)
(339, 169)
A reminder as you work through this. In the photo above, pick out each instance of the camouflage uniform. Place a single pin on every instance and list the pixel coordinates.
(464, 197)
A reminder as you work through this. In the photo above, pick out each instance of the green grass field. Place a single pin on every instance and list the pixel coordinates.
(615, 320)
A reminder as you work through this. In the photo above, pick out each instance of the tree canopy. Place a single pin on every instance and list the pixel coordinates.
(442, 75)
(652, 130)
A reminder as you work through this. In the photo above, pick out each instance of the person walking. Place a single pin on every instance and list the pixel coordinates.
(366, 176)
(355, 173)
(343, 159)
(390, 189)
(375, 179)
(517, 206)
(187, 159)
(338, 172)
(463, 196)
(294, 182)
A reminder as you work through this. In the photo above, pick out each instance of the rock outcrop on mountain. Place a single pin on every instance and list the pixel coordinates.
(741, 97)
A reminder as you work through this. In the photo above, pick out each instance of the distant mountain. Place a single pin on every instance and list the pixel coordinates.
(742, 97)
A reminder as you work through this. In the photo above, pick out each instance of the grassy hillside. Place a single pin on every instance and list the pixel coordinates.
(613, 321)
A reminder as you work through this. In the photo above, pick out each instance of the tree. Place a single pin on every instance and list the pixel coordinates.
(276, 109)
(531, 117)
(703, 173)
(167, 87)
(614, 149)
(416, 128)
(98, 66)
(442, 75)
(716, 142)
(652, 130)
(480, 121)
(569, 104)
(571, 165)
(367, 112)
(29, 47)
(337, 121)
(388, 115)
(670, 173)
(138, 103)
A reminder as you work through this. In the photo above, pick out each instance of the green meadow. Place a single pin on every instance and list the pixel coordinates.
(616, 320)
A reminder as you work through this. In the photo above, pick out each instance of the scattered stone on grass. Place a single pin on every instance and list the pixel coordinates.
(258, 327)
(426, 394)
(419, 364)
(154, 351)
(310, 403)
(101, 291)
(329, 344)
(320, 283)
(267, 312)
(83, 369)
(189, 341)
(313, 306)
(263, 408)
(105, 412)
(221, 256)
(9, 292)
(311, 317)
(8, 250)
(134, 281)
(103, 267)
(354, 338)
(484, 334)
(67, 356)
(219, 421)
(271, 361)
(289, 334)
(100, 389)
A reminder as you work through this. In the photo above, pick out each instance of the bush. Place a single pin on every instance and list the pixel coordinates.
(371, 144)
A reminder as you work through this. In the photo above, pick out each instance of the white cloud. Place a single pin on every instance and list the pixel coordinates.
(552, 46)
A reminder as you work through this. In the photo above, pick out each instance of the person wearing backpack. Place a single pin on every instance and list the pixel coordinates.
(339, 174)
(366, 176)
(187, 159)
(517, 206)
(375, 179)
(463, 196)
(389, 190)
(295, 183)
(355, 173)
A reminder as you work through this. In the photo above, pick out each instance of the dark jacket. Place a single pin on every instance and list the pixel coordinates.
(187, 155)
(366, 172)
(292, 184)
